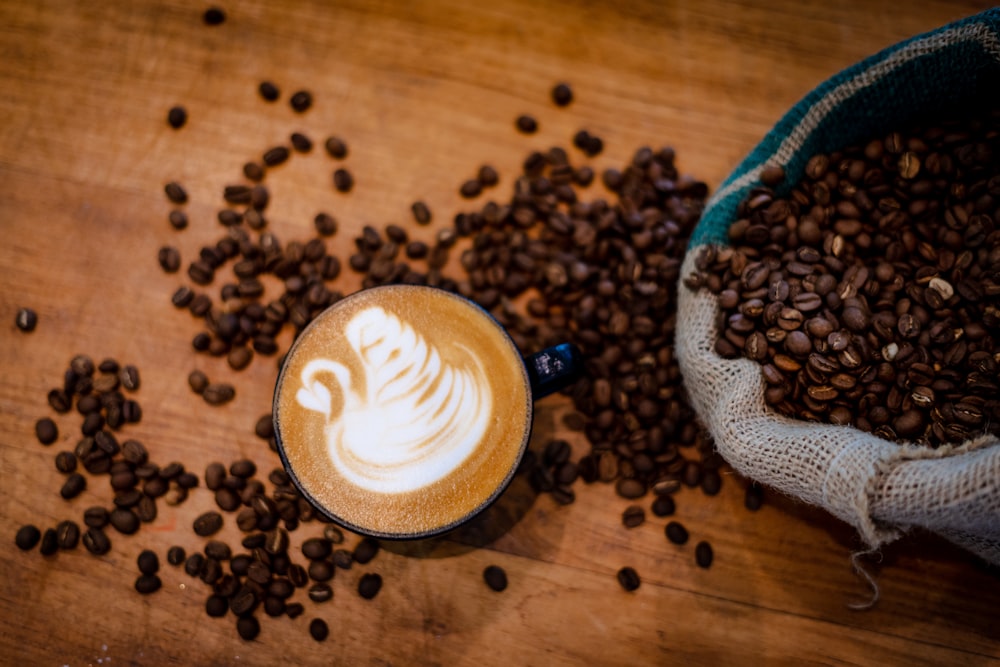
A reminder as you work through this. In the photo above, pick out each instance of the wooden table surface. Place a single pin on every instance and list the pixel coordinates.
(424, 92)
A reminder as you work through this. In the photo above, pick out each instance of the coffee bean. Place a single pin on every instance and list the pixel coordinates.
(316, 548)
(129, 377)
(208, 524)
(471, 188)
(343, 181)
(67, 534)
(321, 570)
(562, 94)
(27, 537)
(301, 142)
(664, 506)
(711, 482)
(754, 498)
(366, 550)
(633, 516)
(275, 156)
(320, 593)
(495, 577)
(198, 381)
(703, 554)
(176, 117)
(214, 16)
(268, 91)
(50, 542)
(218, 393)
(46, 431)
(369, 585)
(676, 533)
(318, 629)
(527, 124)
(336, 147)
(96, 541)
(26, 319)
(176, 194)
(148, 562)
(169, 259)
(630, 488)
(248, 627)
(176, 555)
(628, 579)
(59, 401)
(216, 606)
(301, 101)
(73, 486)
(124, 521)
(421, 212)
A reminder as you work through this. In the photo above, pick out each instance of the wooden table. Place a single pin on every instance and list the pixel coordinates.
(424, 92)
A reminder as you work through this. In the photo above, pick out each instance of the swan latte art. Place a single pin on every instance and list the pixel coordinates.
(402, 410)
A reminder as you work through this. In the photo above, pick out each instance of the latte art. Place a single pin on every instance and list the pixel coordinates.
(410, 419)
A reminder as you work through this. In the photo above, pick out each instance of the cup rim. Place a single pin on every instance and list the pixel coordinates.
(432, 532)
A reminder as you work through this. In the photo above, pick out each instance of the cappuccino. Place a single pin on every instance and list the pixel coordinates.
(402, 410)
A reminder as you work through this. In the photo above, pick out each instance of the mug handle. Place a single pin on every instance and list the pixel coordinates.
(553, 369)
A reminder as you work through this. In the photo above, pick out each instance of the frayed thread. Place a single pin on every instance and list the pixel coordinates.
(863, 573)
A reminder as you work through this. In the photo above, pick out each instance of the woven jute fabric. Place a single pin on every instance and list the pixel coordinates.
(883, 489)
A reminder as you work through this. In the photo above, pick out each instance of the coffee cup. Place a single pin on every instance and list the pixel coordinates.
(403, 411)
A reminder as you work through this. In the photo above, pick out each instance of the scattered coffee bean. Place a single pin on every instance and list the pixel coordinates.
(301, 142)
(169, 259)
(320, 593)
(96, 541)
(148, 562)
(527, 124)
(664, 506)
(124, 520)
(495, 577)
(369, 585)
(46, 431)
(73, 486)
(268, 91)
(275, 156)
(676, 533)
(342, 180)
(213, 16)
(175, 193)
(218, 393)
(50, 542)
(754, 497)
(208, 524)
(176, 555)
(703, 554)
(248, 627)
(67, 535)
(562, 94)
(96, 517)
(66, 462)
(365, 550)
(336, 147)
(318, 629)
(26, 319)
(301, 101)
(628, 579)
(27, 537)
(216, 606)
(176, 117)
(633, 516)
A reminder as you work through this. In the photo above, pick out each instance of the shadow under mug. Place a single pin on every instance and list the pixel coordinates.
(356, 326)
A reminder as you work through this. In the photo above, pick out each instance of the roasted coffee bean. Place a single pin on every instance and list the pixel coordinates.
(198, 381)
(268, 91)
(176, 117)
(218, 393)
(664, 505)
(562, 94)
(301, 101)
(148, 583)
(526, 124)
(176, 555)
(628, 579)
(148, 562)
(421, 213)
(244, 468)
(301, 142)
(248, 627)
(194, 564)
(169, 259)
(124, 520)
(320, 593)
(216, 606)
(26, 319)
(27, 537)
(213, 16)
(208, 524)
(343, 181)
(711, 482)
(366, 550)
(316, 548)
(59, 401)
(321, 570)
(275, 156)
(73, 486)
(495, 577)
(703, 555)
(96, 517)
(633, 516)
(336, 147)
(676, 532)
(46, 431)
(50, 542)
(175, 193)
(369, 585)
(471, 188)
(96, 541)
(754, 497)
(333, 534)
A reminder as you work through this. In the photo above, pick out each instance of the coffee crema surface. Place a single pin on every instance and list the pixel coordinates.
(401, 410)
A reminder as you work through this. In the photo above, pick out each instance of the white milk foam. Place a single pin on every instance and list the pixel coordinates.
(411, 420)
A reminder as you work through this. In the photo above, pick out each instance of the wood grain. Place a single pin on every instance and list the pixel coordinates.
(424, 92)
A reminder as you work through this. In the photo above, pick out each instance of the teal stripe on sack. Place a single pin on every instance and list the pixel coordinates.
(924, 75)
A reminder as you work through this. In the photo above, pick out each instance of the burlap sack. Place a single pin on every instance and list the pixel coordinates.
(881, 488)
